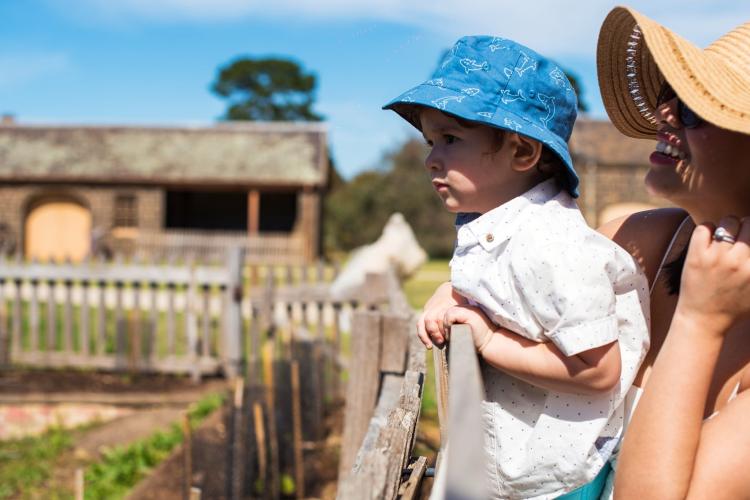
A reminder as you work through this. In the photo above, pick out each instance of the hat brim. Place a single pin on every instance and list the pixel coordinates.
(703, 79)
(407, 105)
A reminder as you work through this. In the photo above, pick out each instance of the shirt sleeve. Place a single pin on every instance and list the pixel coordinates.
(568, 288)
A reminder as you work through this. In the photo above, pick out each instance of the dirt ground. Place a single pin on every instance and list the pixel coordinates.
(209, 462)
(155, 401)
(16, 381)
(209, 449)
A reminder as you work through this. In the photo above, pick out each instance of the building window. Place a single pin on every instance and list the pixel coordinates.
(126, 210)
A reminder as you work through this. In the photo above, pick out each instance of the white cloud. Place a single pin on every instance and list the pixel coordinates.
(550, 26)
(21, 68)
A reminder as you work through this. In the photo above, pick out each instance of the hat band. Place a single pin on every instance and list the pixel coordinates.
(633, 55)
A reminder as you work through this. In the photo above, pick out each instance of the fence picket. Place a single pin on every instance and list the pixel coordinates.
(68, 317)
(85, 320)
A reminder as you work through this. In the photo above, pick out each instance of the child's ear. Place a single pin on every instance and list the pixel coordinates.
(526, 153)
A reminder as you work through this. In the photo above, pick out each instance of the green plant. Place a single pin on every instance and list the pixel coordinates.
(26, 463)
(122, 467)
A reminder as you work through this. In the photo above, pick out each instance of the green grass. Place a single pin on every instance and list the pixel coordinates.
(123, 467)
(25, 464)
(422, 285)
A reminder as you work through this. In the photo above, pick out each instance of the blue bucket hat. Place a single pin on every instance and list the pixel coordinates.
(503, 84)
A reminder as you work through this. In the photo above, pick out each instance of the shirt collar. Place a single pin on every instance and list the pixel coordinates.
(499, 224)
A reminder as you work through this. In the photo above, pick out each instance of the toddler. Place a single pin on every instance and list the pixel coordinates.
(559, 313)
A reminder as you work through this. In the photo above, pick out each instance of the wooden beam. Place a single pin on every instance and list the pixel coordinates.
(253, 212)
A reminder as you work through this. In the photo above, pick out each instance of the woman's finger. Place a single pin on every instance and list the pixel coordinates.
(702, 236)
(743, 236)
(727, 230)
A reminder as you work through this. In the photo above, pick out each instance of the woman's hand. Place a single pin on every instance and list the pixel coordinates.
(715, 288)
(430, 323)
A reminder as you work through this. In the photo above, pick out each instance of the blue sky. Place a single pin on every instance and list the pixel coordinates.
(152, 61)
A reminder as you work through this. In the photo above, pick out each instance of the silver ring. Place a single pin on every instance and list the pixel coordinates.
(721, 234)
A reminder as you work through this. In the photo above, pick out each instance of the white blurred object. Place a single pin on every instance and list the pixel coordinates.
(397, 247)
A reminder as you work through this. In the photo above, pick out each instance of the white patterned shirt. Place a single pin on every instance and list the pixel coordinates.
(536, 268)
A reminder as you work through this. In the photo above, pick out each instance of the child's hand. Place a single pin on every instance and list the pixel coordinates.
(430, 323)
(715, 287)
(481, 326)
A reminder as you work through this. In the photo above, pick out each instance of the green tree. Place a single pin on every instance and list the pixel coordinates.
(357, 211)
(269, 89)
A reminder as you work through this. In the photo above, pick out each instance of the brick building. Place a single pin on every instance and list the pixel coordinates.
(611, 167)
(65, 190)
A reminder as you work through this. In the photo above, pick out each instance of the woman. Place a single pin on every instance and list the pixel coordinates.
(690, 434)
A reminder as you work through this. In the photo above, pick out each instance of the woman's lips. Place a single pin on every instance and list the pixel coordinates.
(657, 158)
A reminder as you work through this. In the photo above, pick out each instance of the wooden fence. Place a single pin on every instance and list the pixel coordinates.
(152, 317)
(276, 416)
(383, 402)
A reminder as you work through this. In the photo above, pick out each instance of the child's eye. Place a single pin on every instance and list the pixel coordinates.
(450, 139)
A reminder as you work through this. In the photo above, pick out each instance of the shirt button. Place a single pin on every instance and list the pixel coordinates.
(489, 238)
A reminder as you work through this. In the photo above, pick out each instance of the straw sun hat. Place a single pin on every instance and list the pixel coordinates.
(635, 55)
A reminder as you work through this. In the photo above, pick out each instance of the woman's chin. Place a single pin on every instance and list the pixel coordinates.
(663, 182)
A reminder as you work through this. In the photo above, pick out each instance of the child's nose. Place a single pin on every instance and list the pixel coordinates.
(432, 161)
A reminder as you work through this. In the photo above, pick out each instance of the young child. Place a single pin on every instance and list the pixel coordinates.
(559, 313)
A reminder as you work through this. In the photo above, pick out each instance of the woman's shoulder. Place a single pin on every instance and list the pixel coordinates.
(645, 235)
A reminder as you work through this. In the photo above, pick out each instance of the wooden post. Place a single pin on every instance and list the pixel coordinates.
(253, 212)
(237, 465)
(299, 464)
(337, 384)
(187, 459)
(191, 324)
(233, 341)
(362, 389)
(268, 357)
(260, 438)
(79, 484)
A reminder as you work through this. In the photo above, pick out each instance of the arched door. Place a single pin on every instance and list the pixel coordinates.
(58, 230)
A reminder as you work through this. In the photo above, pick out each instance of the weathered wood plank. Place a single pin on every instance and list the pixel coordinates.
(394, 351)
(410, 488)
(362, 389)
(464, 464)
(440, 362)
(299, 464)
(59, 359)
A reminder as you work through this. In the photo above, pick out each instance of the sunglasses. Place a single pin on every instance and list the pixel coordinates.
(687, 116)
